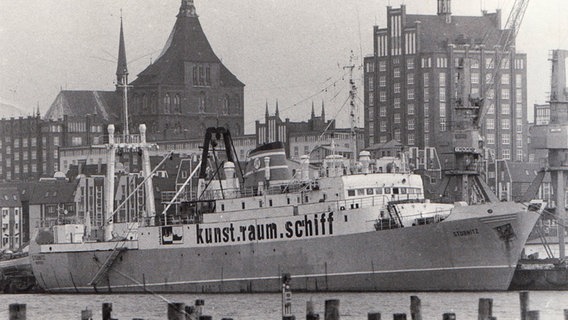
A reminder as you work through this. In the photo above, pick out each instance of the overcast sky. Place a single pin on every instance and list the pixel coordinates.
(290, 50)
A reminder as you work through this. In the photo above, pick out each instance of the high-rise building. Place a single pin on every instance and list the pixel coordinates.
(411, 85)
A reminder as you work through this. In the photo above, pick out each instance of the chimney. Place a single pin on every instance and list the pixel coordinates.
(445, 9)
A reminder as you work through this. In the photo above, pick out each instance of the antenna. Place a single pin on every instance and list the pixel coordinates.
(352, 96)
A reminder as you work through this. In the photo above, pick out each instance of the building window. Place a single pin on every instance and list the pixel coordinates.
(506, 154)
(383, 126)
(371, 84)
(397, 88)
(426, 80)
(411, 139)
(442, 94)
(519, 125)
(225, 105)
(519, 95)
(474, 78)
(410, 63)
(167, 103)
(397, 118)
(443, 109)
(410, 124)
(505, 79)
(397, 134)
(382, 112)
(177, 104)
(442, 62)
(520, 154)
(505, 94)
(519, 64)
(505, 64)
(410, 94)
(382, 96)
(489, 63)
(442, 79)
(505, 124)
(426, 62)
(371, 99)
(382, 66)
(382, 81)
(505, 108)
(410, 79)
(490, 124)
(397, 103)
(505, 138)
(490, 138)
(426, 95)
(443, 127)
(475, 63)
(410, 108)
(491, 109)
(397, 72)
(201, 102)
(370, 67)
(76, 141)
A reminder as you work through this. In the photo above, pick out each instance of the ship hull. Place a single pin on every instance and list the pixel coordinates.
(466, 254)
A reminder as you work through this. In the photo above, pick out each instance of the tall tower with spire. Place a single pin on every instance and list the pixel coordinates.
(187, 88)
(122, 80)
(121, 67)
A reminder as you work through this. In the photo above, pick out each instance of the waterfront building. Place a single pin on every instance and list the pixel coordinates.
(304, 137)
(410, 80)
(11, 235)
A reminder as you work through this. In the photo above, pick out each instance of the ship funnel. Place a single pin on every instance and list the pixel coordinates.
(365, 158)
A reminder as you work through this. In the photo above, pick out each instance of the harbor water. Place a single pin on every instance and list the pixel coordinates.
(353, 306)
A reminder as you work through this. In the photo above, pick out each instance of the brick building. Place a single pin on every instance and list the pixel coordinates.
(187, 89)
(410, 80)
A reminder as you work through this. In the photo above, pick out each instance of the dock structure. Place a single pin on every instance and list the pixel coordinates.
(182, 311)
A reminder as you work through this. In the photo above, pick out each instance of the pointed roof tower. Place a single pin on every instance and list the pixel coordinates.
(313, 112)
(322, 111)
(187, 43)
(121, 67)
(276, 113)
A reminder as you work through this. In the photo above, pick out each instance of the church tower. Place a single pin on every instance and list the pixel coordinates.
(187, 88)
(122, 82)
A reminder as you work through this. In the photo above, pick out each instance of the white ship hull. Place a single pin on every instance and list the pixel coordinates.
(471, 250)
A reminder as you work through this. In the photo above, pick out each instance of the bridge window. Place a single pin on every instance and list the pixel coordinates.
(369, 191)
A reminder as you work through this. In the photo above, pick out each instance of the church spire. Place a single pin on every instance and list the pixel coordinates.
(121, 68)
(276, 113)
(187, 9)
(313, 112)
(266, 112)
(322, 111)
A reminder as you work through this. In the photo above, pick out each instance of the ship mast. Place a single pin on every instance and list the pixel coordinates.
(352, 107)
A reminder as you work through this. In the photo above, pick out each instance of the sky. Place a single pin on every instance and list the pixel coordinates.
(290, 51)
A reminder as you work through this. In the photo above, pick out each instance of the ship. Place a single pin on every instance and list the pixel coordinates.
(347, 226)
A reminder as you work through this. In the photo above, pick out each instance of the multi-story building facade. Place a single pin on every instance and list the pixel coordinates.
(303, 137)
(10, 218)
(411, 84)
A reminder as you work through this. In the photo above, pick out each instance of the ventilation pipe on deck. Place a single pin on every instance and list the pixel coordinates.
(365, 158)
(305, 167)
(267, 168)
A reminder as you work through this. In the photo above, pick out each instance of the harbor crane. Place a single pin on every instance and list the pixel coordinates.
(464, 140)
